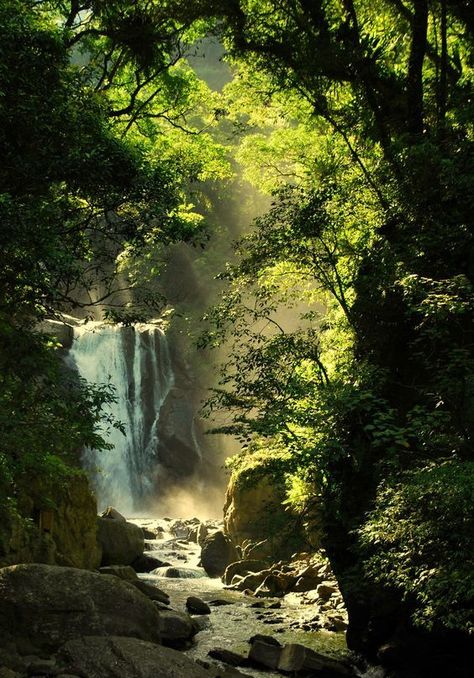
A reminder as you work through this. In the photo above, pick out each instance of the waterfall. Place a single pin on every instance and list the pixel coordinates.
(136, 362)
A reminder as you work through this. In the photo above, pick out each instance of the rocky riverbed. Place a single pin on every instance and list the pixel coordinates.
(238, 613)
(154, 611)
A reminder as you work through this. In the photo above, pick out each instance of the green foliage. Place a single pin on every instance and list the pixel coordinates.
(418, 539)
(349, 309)
(100, 134)
(261, 459)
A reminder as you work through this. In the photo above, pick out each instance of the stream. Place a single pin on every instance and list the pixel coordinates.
(229, 626)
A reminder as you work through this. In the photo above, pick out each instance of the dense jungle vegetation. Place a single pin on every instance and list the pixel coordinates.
(347, 310)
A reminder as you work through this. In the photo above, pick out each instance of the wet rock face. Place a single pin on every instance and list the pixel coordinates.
(217, 553)
(49, 605)
(178, 450)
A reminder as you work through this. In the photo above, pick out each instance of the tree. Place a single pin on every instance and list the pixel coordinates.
(385, 381)
(87, 88)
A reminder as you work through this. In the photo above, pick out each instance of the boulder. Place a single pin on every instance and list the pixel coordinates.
(226, 672)
(265, 654)
(242, 568)
(198, 534)
(217, 552)
(48, 605)
(176, 628)
(336, 621)
(124, 572)
(112, 514)
(195, 605)
(254, 513)
(146, 563)
(179, 572)
(269, 640)
(152, 592)
(252, 581)
(228, 657)
(148, 534)
(276, 583)
(127, 573)
(295, 657)
(121, 542)
(116, 657)
(61, 331)
(180, 529)
(307, 583)
(326, 589)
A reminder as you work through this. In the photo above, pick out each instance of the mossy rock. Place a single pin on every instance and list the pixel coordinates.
(55, 524)
(254, 512)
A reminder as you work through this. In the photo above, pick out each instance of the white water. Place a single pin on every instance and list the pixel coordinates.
(136, 361)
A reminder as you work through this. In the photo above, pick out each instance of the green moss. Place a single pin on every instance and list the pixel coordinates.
(257, 461)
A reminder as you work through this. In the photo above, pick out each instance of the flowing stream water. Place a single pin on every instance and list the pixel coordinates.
(228, 626)
(136, 362)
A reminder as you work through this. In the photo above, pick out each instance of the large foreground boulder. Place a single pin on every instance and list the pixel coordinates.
(114, 657)
(121, 542)
(217, 552)
(43, 607)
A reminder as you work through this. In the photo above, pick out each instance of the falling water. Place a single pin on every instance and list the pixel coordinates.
(136, 362)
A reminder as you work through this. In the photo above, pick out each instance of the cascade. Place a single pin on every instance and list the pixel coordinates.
(136, 362)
